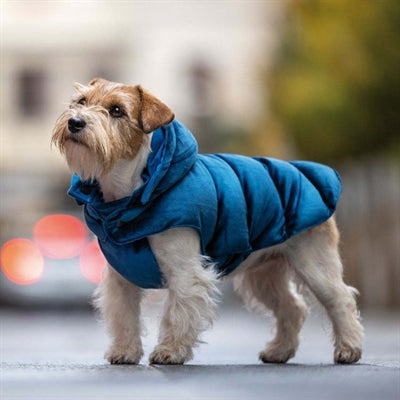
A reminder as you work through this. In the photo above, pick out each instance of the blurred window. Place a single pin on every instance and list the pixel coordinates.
(202, 81)
(31, 86)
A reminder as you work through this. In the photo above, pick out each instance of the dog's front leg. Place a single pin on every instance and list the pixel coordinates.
(119, 303)
(190, 307)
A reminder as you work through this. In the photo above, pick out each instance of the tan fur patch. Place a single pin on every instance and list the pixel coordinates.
(329, 230)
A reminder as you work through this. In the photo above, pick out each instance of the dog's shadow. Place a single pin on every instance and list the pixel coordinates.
(215, 369)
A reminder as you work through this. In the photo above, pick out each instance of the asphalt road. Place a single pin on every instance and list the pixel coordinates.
(58, 355)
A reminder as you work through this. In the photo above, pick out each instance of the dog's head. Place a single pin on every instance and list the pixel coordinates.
(107, 122)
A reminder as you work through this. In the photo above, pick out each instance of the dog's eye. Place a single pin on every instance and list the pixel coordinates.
(116, 111)
(82, 101)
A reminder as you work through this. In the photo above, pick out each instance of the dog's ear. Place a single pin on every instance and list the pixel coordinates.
(153, 113)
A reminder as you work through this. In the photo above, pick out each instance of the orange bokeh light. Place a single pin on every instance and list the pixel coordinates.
(60, 236)
(93, 263)
(21, 261)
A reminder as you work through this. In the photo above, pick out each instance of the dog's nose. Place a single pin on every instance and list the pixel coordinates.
(76, 124)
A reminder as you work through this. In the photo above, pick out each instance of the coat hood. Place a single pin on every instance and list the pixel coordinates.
(173, 153)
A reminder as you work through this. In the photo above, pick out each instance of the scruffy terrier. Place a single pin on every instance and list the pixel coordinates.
(166, 216)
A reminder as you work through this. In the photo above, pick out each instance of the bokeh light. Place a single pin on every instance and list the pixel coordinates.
(92, 262)
(22, 261)
(60, 236)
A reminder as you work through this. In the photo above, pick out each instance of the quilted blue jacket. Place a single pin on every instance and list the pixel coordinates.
(237, 204)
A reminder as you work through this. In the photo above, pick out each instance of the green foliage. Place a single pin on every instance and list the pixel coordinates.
(335, 87)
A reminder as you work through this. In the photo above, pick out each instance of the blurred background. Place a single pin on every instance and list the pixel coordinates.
(314, 79)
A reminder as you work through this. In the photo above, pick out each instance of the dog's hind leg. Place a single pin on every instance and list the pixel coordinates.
(190, 307)
(267, 282)
(119, 303)
(314, 256)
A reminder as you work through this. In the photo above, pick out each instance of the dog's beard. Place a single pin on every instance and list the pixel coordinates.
(82, 161)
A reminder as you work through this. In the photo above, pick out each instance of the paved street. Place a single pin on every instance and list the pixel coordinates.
(58, 355)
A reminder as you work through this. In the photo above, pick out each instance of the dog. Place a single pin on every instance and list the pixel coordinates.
(162, 220)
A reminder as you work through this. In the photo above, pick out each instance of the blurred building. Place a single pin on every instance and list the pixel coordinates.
(202, 58)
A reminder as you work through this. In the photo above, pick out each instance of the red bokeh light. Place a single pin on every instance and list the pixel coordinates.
(21, 261)
(60, 236)
(92, 263)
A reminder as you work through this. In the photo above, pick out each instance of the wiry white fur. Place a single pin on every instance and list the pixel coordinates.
(190, 307)
(265, 283)
(317, 263)
(125, 177)
(119, 302)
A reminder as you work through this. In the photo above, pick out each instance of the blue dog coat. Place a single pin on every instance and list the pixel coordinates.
(237, 204)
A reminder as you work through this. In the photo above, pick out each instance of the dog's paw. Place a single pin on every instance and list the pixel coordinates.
(276, 355)
(163, 355)
(119, 356)
(347, 355)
